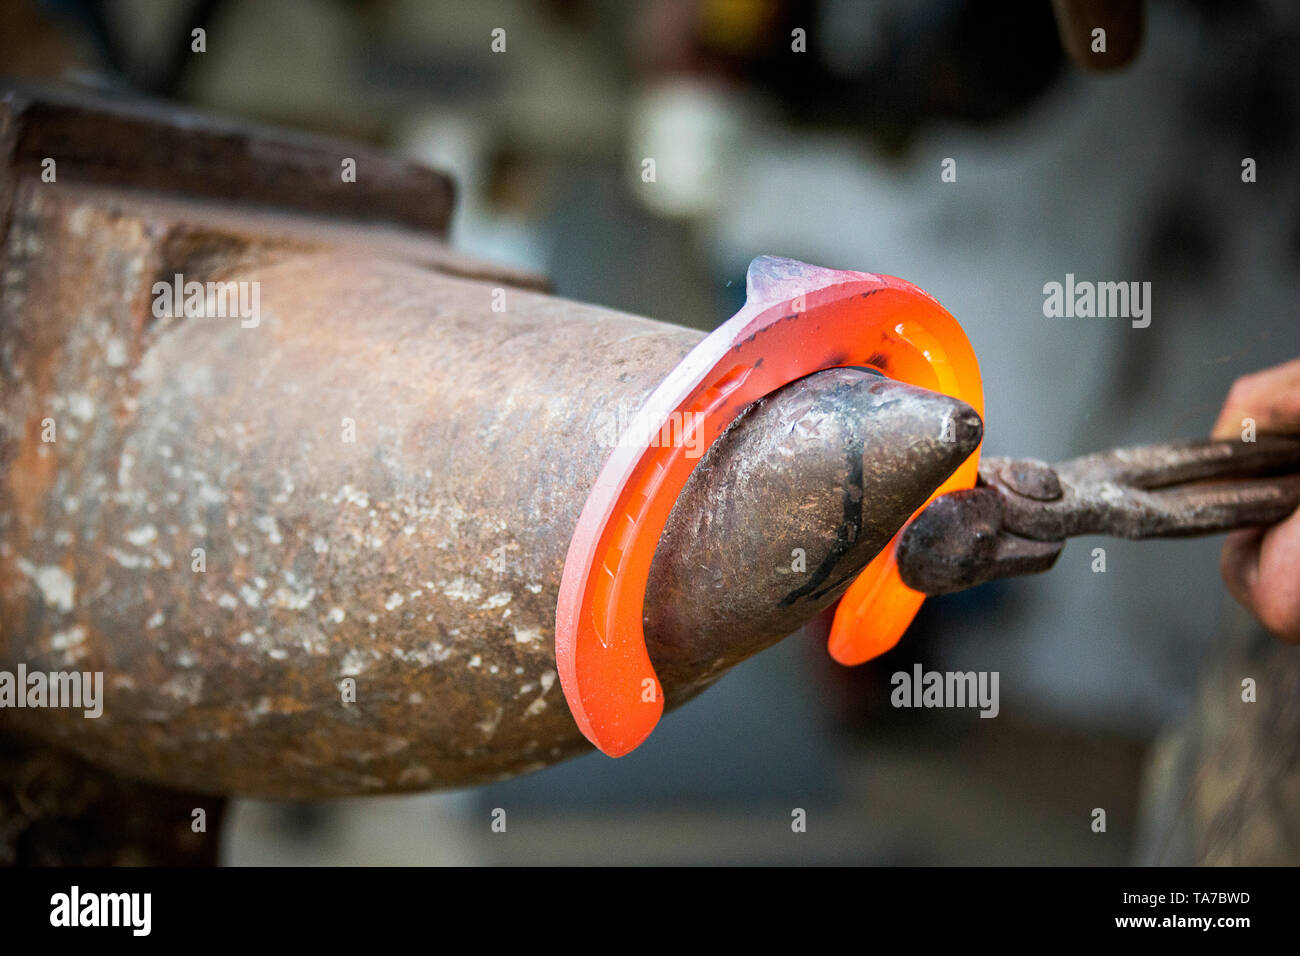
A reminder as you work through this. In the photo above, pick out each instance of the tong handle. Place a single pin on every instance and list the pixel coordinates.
(1184, 462)
(1154, 491)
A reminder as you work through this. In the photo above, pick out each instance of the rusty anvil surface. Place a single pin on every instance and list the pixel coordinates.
(375, 486)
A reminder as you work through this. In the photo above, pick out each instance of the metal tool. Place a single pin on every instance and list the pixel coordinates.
(1017, 518)
(320, 555)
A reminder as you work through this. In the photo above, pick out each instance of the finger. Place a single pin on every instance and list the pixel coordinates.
(1271, 398)
(1120, 25)
(1277, 581)
(1239, 564)
(1259, 569)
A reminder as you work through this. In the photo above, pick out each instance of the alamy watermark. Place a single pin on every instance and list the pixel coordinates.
(57, 689)
(208, 300)
(74, 908)
(1102, 300)
(922, 688)
(623, 427)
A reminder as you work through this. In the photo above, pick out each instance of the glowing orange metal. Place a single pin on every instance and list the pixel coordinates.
(797, 319)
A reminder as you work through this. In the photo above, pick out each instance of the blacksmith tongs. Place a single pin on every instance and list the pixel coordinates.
(1015, 521)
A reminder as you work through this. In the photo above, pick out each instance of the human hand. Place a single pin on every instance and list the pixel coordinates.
(1261, 566)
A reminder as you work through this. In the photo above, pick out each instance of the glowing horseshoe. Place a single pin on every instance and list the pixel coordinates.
(797, 319)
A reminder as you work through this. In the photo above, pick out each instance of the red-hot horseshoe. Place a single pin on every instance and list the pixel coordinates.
(797, 319)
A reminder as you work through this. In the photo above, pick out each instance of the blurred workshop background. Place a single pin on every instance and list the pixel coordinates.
(833, 155)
